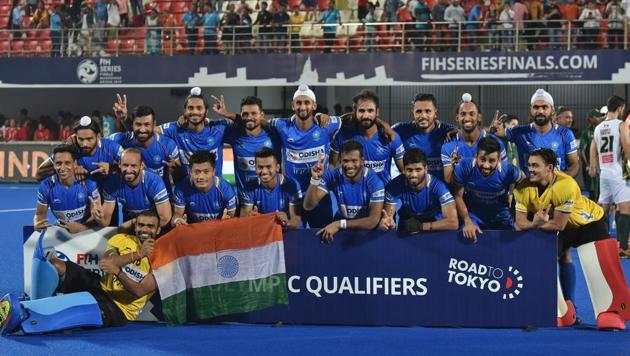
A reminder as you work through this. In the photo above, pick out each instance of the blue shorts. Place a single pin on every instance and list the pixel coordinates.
(501, 221)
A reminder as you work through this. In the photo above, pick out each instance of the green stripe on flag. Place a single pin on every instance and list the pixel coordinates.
(223, 299)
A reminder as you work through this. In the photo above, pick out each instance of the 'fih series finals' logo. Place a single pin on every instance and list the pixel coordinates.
(507, 283)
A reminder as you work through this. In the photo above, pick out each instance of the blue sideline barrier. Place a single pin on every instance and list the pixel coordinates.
(506, 279)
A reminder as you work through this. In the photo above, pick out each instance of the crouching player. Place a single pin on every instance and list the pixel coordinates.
(358, 189)
(272, 192)
(426, 203)
(111, 300)
(554, 200)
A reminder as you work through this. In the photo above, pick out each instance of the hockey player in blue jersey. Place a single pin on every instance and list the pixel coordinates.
(358, 190)
(73, 204)
(464, 143)
(137, 190)
(482, 188)
(379, 151)
(425, 202)
(160, 154)
(195, 132)
(543, 133)
(272, 192)
(96, 156)
(425, 132)
(203, 196)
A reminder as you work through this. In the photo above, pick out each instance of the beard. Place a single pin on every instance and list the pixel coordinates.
(542, 120)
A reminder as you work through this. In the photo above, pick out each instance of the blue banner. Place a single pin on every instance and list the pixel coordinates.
(506, 279)
(339, 69)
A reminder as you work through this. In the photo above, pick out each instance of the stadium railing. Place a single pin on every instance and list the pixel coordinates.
(345, 38)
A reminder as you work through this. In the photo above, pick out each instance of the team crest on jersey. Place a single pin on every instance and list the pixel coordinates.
(555, 145)
(316, 135)
(215, 204)
(210, 140)
(80, 196)
(157, 159)
(267, 143)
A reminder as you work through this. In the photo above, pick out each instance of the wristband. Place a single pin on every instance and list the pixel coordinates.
(315, 182)
(343, 224)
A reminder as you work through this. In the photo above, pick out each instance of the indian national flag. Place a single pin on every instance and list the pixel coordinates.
(216, 268)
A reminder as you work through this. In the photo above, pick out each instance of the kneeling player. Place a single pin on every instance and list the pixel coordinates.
(116, 298)
(426, 203)
(359, 192)
(204, 196)
(482, 187)
(74, 204)
(272, 192)
(556, 203)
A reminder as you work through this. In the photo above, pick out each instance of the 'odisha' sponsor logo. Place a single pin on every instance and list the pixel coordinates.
(308, 155)
(377, 166)
(479, 276)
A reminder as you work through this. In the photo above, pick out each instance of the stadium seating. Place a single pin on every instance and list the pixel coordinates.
(4, 48)
(4, 21)
(17, 48)
(30, 48)
(45, 48)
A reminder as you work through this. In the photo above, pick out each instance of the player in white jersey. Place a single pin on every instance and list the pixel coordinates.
(611, 140)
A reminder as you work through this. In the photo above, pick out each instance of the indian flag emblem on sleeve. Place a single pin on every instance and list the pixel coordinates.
(216, 268)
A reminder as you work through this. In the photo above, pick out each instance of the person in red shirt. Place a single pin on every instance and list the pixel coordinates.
(42, 133)
(571, 12)
(65, 132)
(13, 132)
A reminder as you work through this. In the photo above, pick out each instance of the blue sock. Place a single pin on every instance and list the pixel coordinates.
(567, 280)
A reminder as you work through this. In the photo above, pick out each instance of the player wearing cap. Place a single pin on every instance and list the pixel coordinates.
(378, 149)
(543, 133)
(358, 190)
(611, 140)
(464, 144)
(425, 132)
(557, 204)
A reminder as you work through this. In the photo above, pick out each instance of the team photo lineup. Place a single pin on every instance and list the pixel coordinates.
(334, 173)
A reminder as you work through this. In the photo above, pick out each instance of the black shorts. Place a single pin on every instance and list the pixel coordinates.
(79, 279)
(593, 231)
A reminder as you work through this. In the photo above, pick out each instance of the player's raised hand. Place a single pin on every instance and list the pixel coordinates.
(120, 107)
(108, 265)
(96, 209)
(454, 156)
(171, 163)
(317, 170)
(218, 107)
(254, 211)
(225, 215)
(103, 168)
(80, 172)
(387, 222)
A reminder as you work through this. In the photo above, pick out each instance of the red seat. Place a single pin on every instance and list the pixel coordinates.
(4, 21)
(31, 34)
(340, 44)
(138, 47)
(309, 44)
(43, 34)
(45, 48)
(4, 35)
(17, 48)
(164, 5)
(139, 33)
(126, 46)
(178, 7)
(357, 43)
(5, 9)
(4, 48)
(30, 47)
(112, 46)
(322, 4)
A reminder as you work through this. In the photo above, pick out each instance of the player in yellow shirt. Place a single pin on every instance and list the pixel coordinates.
(116, 298)
(552, 201)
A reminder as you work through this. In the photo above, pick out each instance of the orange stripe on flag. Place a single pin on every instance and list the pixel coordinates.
(214, 236)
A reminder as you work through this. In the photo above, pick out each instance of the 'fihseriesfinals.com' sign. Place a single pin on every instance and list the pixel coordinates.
(338, 69)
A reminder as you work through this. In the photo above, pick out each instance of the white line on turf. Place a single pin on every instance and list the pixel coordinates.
(15, 210)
